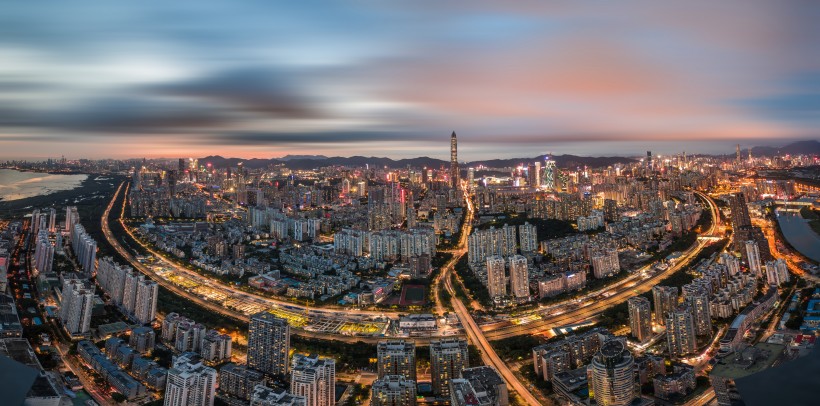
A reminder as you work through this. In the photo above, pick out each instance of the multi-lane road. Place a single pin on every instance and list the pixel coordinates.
(592, 305)
(474, 333)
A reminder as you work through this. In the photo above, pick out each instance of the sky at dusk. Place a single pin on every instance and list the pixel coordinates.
(388, 78)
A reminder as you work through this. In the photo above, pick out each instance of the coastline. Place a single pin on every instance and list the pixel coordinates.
(88, 189)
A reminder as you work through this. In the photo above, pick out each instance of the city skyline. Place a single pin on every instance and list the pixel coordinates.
(260, 80)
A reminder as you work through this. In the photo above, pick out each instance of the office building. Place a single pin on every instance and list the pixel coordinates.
(740, 211)
(448, 357)
(190, 383)
(268, 344)
(680, 332)
(519, 277)
(640, 318)
(612, 376)
(77, 303)
(393, 390)
(496, 279)
(397, 357)
(454, 176)
(314, 379)
(665, 299)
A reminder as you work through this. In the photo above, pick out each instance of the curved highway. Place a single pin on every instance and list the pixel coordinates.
(591, 308)
(219, 308)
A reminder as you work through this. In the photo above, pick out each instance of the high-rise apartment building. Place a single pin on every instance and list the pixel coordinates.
(528, 237)
(448, 357)
(72, 217)
(268, 344)
(612, 376)
(215, 347)
(680, 332)
(238, 381)
(777, 272)
(396, 357)
(43, 253)
(145, 305)
(77, 303)
(697, 299)
(492, 241)
(605, 263)
(85, 249)
(665, 299)
(753, 255)
(52, 220)
(519, 277)
(496, 279)
(731, 263)
(189, 383)
(640, 318)
(314, 379)
(393, 390)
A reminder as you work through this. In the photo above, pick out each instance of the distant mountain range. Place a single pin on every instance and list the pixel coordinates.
(562, 161)
(811, 147)
(317, 161)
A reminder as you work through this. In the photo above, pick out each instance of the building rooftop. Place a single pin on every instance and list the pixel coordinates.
(749, 361)
(15, 380)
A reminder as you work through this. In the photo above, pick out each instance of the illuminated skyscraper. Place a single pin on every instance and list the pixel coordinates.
(453, 161)
(612, 376)
(549, 174)
(737, 158)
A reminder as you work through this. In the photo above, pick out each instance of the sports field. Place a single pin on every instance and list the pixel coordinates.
(413, 295)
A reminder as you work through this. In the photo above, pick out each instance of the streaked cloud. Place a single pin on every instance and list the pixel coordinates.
(374, 78)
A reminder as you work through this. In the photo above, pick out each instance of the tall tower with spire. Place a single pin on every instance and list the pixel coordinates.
(453, 161)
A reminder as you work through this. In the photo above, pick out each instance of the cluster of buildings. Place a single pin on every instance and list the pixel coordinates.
(185, 335)
(595, 366)
(110, 368)
(128, 289)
